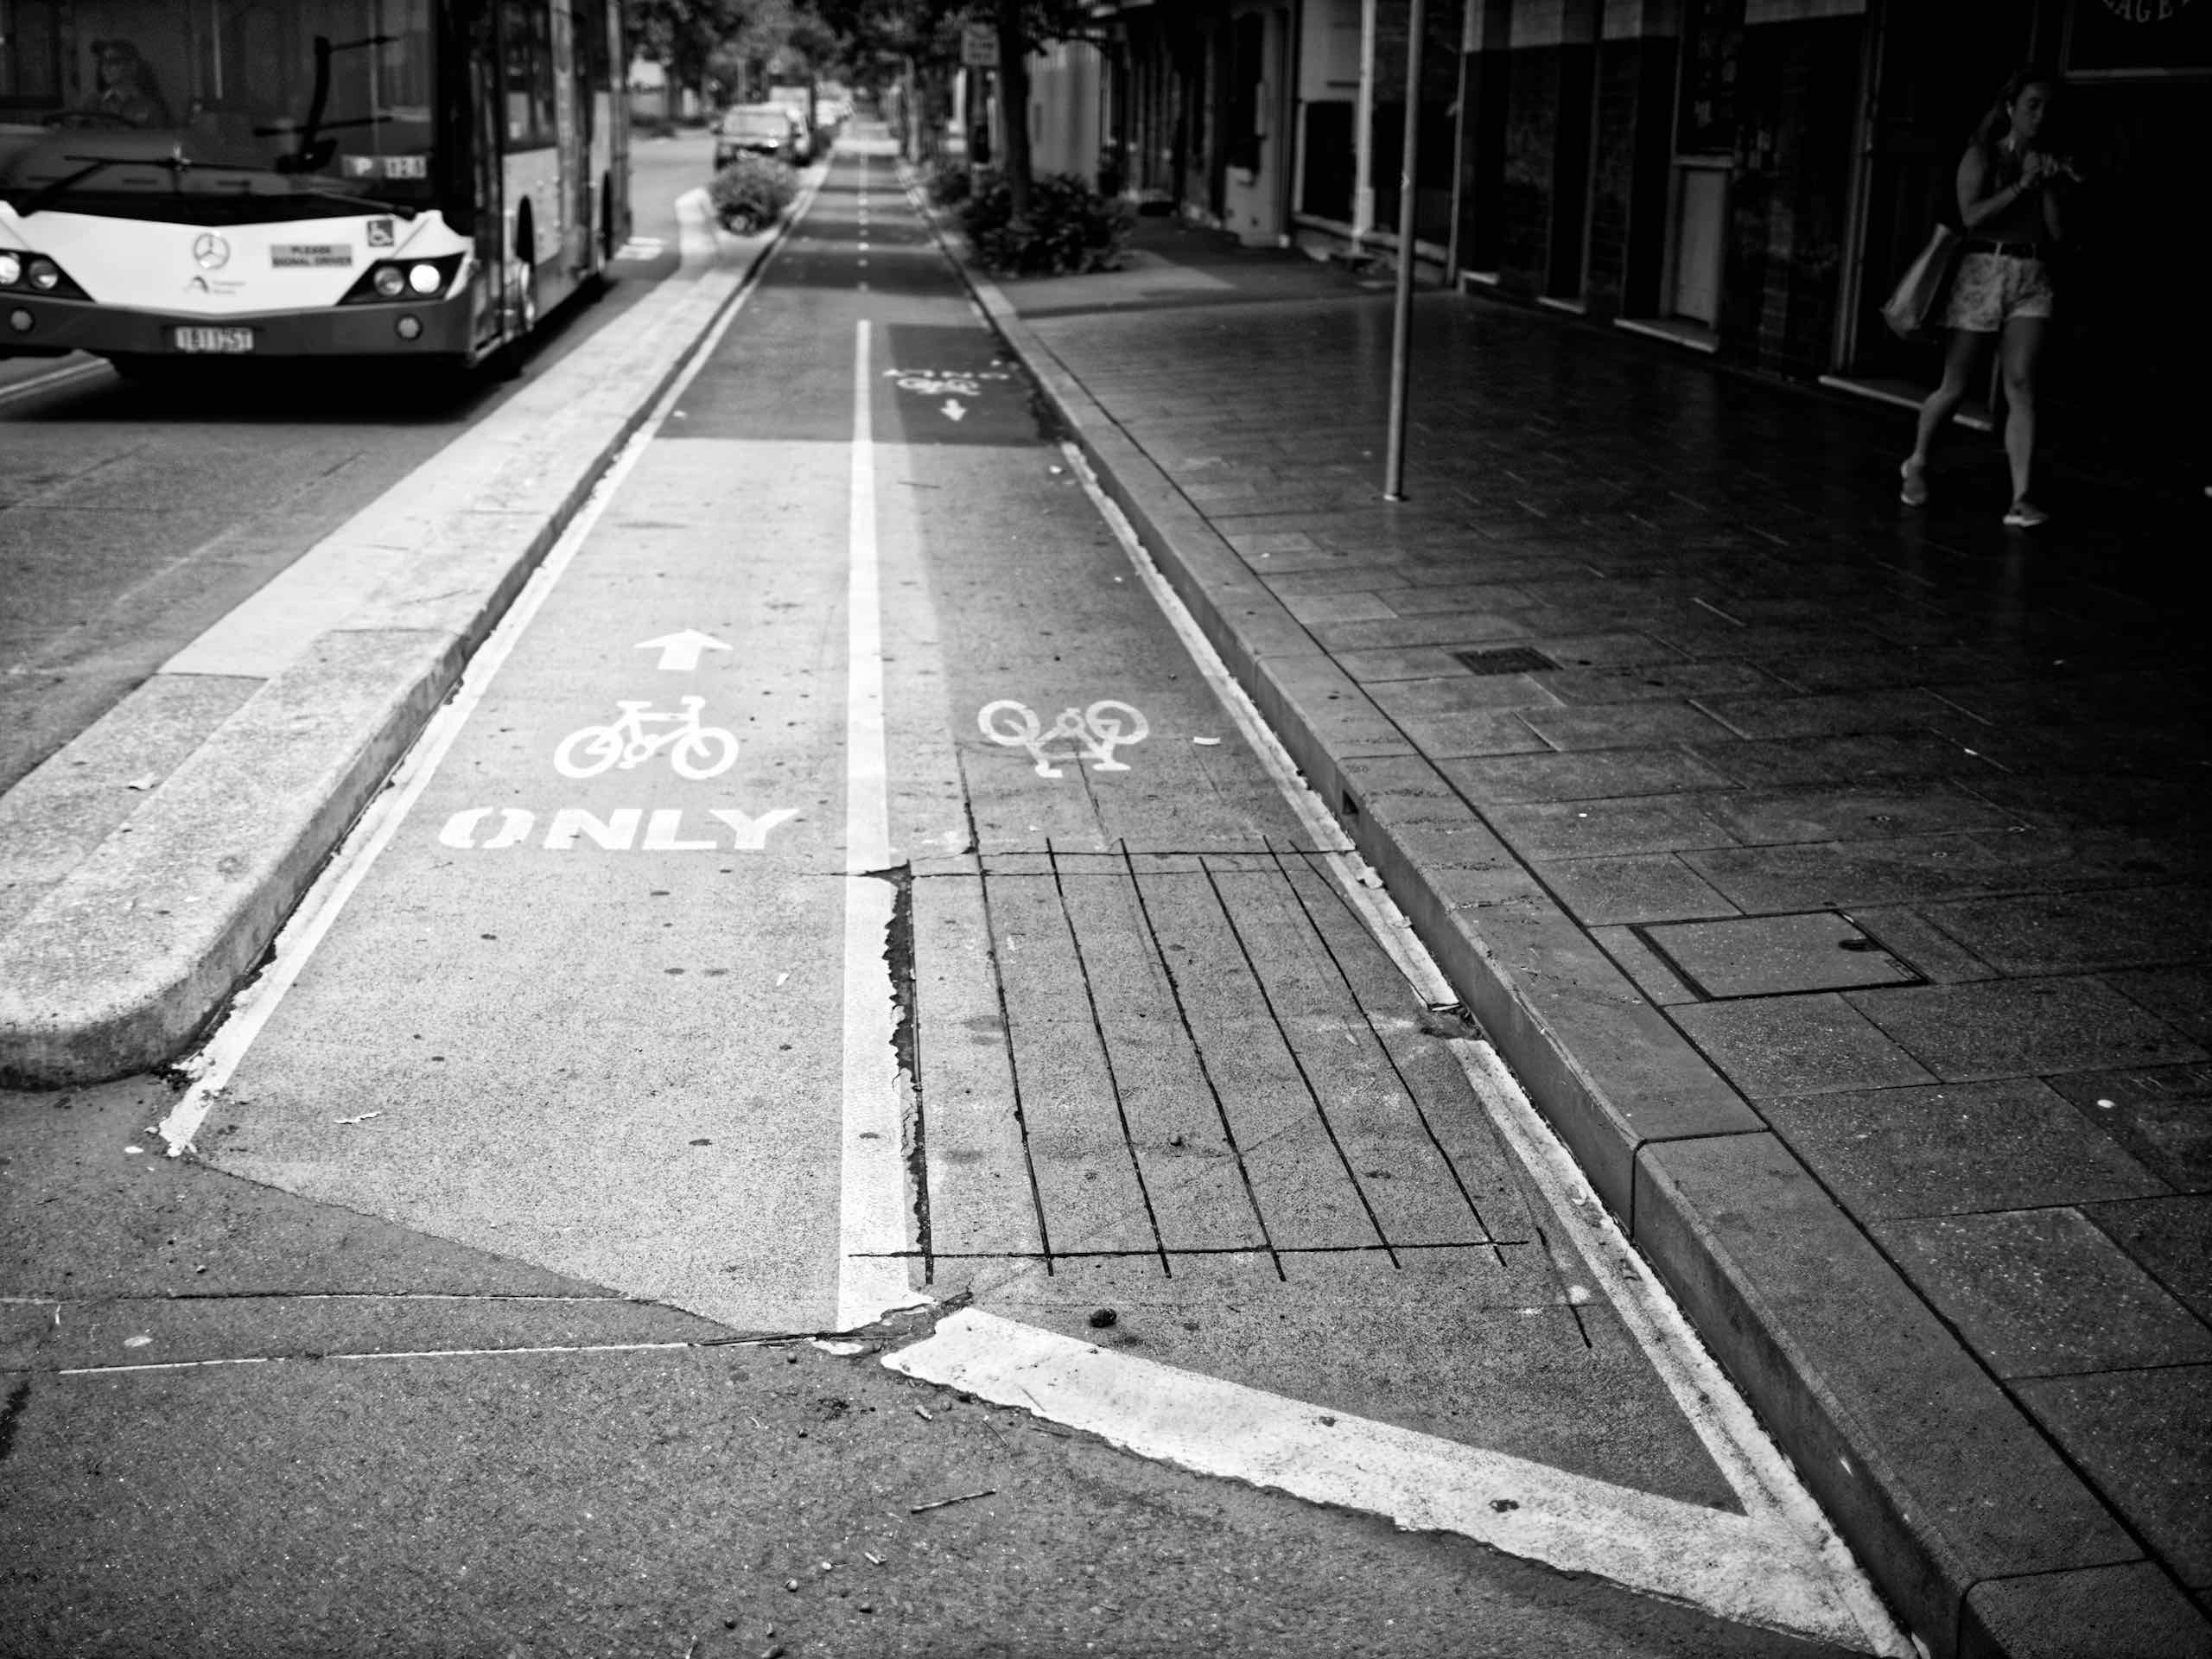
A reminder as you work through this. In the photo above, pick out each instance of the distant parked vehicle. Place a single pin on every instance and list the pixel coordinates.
(801, 101)
(760, 129)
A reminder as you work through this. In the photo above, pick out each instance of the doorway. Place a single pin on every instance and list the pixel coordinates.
(1701, 219)
(1937, 70)
(1706, 119)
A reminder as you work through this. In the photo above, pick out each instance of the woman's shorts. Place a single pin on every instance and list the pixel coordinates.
(1992, 288)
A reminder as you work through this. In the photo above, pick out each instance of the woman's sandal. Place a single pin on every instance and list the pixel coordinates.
(1914, 493)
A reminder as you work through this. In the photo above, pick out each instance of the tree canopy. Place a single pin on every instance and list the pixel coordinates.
(715, 45)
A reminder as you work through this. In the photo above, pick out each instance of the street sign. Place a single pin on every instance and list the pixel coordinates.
(979, 46)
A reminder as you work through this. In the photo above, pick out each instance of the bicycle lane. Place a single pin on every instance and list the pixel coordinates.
(589, 1006)
(630, 1022)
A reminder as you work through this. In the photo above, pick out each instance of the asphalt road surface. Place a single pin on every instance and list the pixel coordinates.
(842, 1048)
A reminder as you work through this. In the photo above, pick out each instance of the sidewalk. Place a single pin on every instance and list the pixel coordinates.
(1830, 873)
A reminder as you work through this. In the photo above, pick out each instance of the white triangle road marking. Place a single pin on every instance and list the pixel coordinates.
(1724, 1563)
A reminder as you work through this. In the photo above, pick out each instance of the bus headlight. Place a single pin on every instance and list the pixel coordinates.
(411, 279)
(22, 269)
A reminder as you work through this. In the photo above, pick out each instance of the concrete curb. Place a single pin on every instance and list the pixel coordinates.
(1940, 1485)
(144, 927)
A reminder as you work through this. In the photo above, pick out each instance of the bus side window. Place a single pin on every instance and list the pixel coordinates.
(529, 29)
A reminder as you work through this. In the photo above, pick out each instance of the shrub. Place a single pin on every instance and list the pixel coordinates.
(750, 192)
(951, 180)
(1071, 228)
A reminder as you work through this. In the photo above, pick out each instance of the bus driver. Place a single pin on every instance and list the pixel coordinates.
(128, 95)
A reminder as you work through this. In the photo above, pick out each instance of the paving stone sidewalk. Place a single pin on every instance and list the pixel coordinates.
(1835, 873)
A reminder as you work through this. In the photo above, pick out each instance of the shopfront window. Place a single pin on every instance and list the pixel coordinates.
(1712, 49)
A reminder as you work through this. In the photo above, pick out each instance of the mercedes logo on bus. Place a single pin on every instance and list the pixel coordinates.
(211, 252)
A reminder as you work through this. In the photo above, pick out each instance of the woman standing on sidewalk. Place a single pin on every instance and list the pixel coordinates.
(2008, 203)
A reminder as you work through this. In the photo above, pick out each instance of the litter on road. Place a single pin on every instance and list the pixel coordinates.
(946, 1503)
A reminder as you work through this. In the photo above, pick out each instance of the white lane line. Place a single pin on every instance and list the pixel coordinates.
(52, 380)
(411, 1353)
(871, 1275)
(1383, 918)
(1727, 1564)
(302, 934)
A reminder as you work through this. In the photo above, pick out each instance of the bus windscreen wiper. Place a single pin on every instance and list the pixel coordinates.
(54, 189)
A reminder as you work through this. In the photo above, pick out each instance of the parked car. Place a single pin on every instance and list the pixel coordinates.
(760, 129)
(800, 100)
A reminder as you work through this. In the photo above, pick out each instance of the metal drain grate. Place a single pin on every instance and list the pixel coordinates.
(1509, 659)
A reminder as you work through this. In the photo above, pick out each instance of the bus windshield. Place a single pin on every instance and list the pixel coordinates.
(207, 110)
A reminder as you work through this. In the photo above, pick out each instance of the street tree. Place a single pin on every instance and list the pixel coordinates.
(682, 36)
(926, 33)
(728, 44)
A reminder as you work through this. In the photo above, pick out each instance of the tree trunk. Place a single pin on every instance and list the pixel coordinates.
(1014, 107)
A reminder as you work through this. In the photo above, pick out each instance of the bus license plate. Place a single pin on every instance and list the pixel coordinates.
(214, 339)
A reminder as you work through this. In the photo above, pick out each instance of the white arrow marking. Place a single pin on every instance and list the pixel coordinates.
(679, 652)
(952, 410)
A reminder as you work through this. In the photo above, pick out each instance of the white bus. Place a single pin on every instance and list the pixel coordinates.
(295, 179)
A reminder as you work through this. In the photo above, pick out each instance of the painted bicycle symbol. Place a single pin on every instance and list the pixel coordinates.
(694, 751)
(938, 383)
(1097, 731)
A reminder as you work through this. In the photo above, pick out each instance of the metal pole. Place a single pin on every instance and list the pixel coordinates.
(1394, 464)
(1362, 132)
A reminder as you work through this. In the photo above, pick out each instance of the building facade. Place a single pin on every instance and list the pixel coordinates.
(1741, 177)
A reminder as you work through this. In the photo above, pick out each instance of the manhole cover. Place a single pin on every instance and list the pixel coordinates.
(1777, 956)
(1508, 659)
